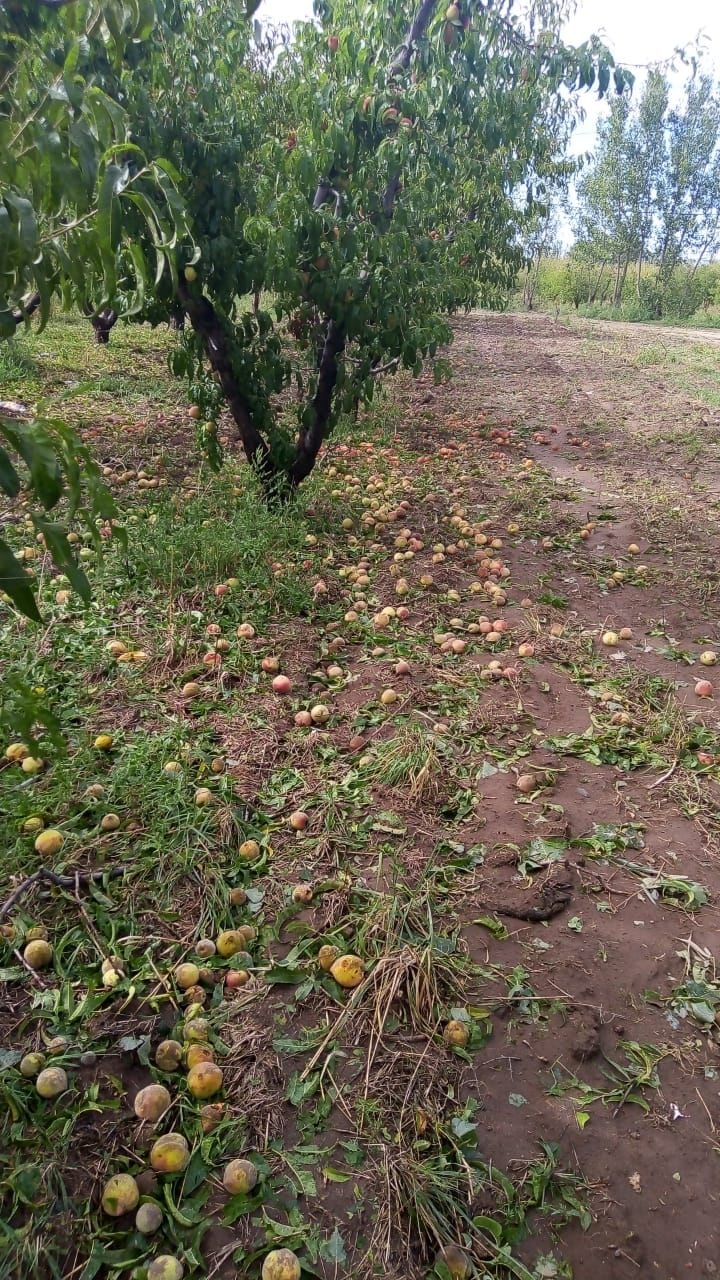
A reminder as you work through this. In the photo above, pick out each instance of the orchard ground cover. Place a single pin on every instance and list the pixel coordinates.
(490, 774)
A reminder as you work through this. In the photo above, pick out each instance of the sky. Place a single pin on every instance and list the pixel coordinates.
(639, 32)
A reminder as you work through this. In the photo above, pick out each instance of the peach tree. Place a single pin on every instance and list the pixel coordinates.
(348, 190)
(72, 188)
(315, 207)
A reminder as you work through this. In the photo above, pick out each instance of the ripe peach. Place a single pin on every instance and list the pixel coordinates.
(148, 1218)
(186, 975)
(31, 1064)
(211, 1115)
(168, 1055)
(152, 1102)
(38, 954)
(236, 978)
(51, 1082)
(456, 1033)
(197, 1053)
(204, 1080)
(240, 1177)
(165, 1267)
(229, 941)
(348, 970)
(49, 842)
(456, 1262)
(170, 1153)
(526, 783)
(281, 1264)
(196, 1030)
(120, 1195)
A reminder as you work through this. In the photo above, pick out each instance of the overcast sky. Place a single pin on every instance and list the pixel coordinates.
(638, 30)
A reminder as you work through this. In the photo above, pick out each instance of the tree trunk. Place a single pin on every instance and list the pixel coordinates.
(102, 323)
(210, 329)
(620, 278)
(312, 436)
(638, 276)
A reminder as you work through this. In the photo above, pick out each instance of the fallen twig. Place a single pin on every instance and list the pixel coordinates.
(63, 882)
(664, 776)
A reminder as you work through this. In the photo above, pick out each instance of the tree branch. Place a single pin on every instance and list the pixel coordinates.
(26, 309)
(209, 327)
(63, 882)
(401, 61)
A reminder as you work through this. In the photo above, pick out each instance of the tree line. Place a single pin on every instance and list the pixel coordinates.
(645, 211)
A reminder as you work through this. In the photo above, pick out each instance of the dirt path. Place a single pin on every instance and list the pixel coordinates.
(658, 332)
(594, 418)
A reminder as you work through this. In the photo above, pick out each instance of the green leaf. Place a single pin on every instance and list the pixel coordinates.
(540, 853)
(45, 472)
(494, 924)
(195, 1174)
(17, 583)
(9, 478)
(334, 1175)
(581, 1118)
(9, 1057)
(284, 974)
(62, 553)
(334, 1249)
(26, 1182)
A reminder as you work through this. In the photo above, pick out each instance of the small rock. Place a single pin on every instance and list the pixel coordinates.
(586, 1043)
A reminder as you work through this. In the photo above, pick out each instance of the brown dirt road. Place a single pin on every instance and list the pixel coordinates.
(628, 448)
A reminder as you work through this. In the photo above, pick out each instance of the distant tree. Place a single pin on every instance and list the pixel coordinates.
(540, 239)
(652, 193)
(689, 194)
